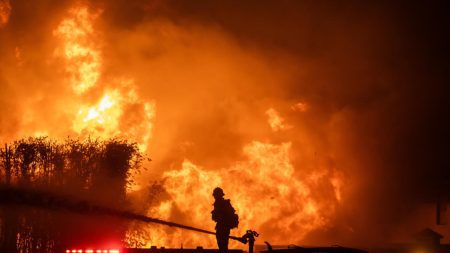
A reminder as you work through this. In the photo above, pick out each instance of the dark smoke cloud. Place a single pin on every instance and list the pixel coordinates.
(374, 74)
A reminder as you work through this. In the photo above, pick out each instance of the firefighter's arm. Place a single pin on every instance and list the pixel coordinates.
(214, 215)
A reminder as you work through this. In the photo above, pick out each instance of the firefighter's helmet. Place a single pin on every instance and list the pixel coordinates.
(218, 192)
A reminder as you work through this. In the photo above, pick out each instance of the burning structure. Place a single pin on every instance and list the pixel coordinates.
(319, 120)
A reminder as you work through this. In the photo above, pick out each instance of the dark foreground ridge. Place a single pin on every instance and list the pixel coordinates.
(168, 250)
(298, 249)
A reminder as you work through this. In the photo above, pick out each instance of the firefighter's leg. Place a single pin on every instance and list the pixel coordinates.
(222, 239)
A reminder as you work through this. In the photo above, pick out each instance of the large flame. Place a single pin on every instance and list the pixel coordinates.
(264, 190)
(81, 52)
(299, 112)
(270, 194)
(117, 111)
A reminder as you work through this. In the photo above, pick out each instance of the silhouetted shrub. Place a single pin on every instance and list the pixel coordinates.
(92, 170)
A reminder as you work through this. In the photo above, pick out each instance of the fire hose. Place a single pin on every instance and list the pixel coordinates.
(15, 196)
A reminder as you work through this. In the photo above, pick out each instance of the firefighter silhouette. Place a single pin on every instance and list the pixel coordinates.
(225, 217)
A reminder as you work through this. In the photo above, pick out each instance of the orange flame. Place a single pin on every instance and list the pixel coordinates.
(107, 117)
(271, 194)
(263, 189)
(276, 122)
(82, 54)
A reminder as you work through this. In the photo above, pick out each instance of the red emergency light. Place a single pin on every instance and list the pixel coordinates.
(92, 251)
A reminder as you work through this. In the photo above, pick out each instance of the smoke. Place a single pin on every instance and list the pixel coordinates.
(5, 11)
(371, 79)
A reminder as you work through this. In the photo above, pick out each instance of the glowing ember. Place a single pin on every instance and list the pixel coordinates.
(275, 120)
(300, 107)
